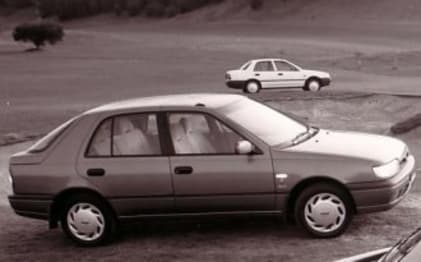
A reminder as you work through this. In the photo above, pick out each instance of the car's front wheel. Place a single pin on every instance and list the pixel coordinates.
(87, 220)
(324, 210)
(313, 84)
(252, 87)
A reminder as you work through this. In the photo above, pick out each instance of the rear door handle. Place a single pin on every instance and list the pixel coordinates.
(183, 170)
(95, 172)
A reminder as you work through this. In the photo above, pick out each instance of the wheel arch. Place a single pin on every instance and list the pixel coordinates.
(312, 77)
(300, 186)
(56, 206)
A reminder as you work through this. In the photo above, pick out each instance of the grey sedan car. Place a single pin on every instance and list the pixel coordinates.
(200, 155)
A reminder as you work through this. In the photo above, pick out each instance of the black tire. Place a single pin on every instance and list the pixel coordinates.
(108, 223)
(246, 87)
(333, 194)
(308, 82)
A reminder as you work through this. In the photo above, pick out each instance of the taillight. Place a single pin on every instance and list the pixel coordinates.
(227, 76)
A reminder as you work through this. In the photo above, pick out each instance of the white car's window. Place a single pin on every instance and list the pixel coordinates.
(273, 127)
(129, 135)
(264, 66)
(195, 133)
(284, 66)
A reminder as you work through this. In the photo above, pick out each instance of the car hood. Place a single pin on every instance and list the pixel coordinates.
(377, 148)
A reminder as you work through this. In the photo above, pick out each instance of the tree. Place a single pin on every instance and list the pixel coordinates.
(39, 33)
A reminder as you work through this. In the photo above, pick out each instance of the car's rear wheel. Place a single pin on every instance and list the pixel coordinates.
(87, 220)
(252, 87)
(324, 210)
(313, 84)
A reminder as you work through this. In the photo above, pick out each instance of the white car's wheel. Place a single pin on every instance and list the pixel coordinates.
(252, 87)
(313, 85)
(87, 220)
(324, 210)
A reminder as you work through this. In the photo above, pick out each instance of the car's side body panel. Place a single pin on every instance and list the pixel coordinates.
(224, 183)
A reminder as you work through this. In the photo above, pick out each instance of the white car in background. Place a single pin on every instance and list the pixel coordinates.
(275, 73)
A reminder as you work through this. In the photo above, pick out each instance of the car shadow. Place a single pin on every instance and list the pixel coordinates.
(244, 226)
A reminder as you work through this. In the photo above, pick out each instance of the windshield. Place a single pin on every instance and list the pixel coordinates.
(404, 248)
(47, 140)
(271, 126)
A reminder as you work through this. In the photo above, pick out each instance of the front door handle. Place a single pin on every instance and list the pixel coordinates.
(183, 170)
(257, 74)
(280, 74)
(95, 172)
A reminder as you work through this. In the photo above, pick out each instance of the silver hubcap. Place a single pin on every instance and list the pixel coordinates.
(314, 85)
(252, 87)
(85, 221)
(324, 212)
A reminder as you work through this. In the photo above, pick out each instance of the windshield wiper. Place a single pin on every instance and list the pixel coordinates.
(310, 132)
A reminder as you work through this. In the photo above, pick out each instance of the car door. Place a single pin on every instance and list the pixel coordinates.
(264, 71)
(207, 173)
(124, 161)
(289, 74)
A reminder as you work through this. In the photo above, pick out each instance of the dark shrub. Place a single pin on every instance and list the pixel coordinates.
(134, 7)
(155, 8)
(16, 3)
(406, 125)
(256, 4)
(38, 33)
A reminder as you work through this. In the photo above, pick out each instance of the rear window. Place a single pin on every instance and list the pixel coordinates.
(46, 141)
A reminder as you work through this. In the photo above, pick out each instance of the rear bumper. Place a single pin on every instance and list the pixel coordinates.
(373, 197)
(235, 84)
(33, 206)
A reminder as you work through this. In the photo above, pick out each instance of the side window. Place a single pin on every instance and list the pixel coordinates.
(283, 66)
(127, 135)
(195, 133)
(101, 141)
(264, 66)
(135, 135)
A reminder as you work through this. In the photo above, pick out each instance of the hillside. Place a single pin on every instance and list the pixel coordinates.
(313, 10)
(301, 11)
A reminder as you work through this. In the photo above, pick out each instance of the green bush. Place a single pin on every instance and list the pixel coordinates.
(38, 33)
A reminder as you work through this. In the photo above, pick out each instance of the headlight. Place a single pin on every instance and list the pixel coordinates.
(387, 170)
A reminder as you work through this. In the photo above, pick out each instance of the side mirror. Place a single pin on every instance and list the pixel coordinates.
(244, 147)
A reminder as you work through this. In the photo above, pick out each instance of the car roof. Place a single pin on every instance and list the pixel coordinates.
(210, 100)
(268, 58)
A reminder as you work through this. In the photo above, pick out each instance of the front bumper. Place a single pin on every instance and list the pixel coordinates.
(236, 84)
(383, 195)
(33, 206)
(325, 81)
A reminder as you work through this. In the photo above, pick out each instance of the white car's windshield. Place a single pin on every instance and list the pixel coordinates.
(271, 126)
